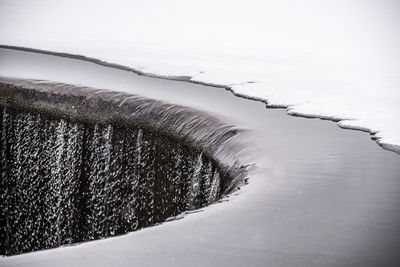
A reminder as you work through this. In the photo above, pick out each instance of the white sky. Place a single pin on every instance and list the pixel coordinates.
(331, 29)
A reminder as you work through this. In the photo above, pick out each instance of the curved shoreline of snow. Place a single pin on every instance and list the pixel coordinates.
(291, 109)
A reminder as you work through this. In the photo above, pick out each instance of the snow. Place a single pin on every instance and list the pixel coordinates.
(330, 59)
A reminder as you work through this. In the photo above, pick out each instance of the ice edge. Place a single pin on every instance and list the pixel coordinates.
(388, 146)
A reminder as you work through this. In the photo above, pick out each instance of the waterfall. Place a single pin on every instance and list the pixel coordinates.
(79, 164)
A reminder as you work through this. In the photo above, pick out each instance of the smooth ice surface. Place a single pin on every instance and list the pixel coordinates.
(334, 59)
(320, 195)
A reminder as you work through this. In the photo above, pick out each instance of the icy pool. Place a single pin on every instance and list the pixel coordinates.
(319, 195)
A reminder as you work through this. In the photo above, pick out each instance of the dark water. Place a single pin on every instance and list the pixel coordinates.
(320, 196)
(76, 167)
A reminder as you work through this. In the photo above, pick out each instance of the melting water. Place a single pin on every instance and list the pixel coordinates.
(67, 180)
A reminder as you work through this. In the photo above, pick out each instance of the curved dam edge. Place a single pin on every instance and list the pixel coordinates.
(205, 133)
(388, 146)
(72, 136)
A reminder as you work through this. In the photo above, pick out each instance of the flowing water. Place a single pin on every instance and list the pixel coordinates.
(319, 195)
(107, 168)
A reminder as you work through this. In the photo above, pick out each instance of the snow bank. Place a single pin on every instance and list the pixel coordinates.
(331, 59)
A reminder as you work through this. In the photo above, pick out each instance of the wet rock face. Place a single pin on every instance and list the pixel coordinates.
(65, 180)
